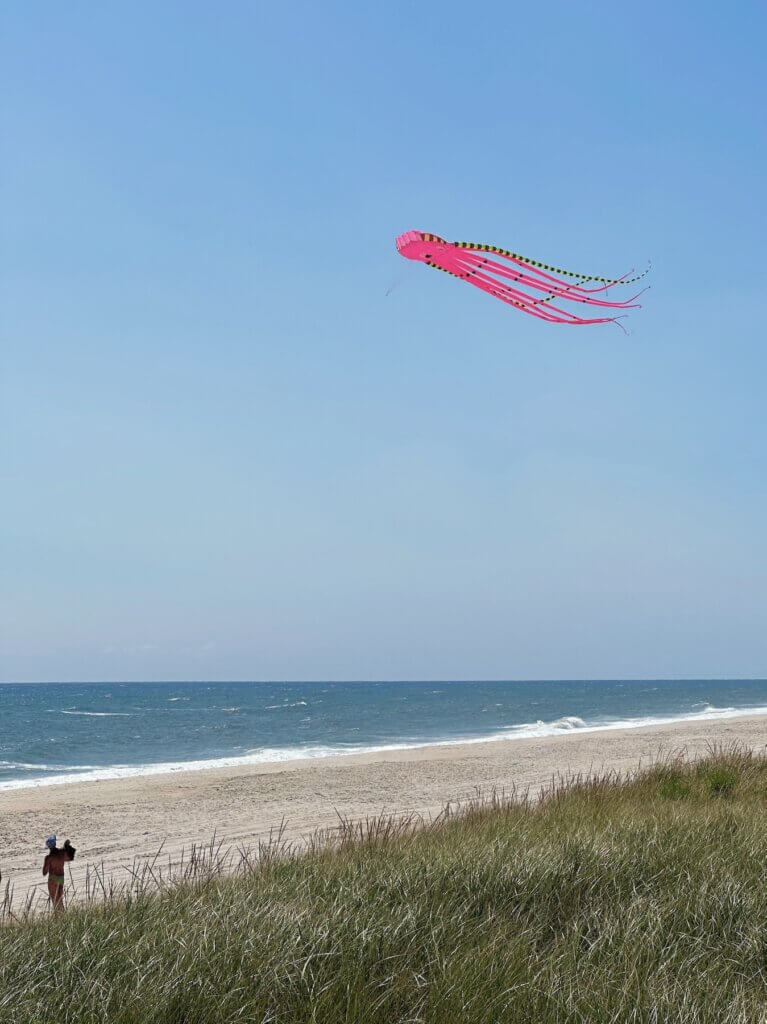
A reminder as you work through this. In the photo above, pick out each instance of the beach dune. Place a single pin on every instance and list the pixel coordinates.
(112, 822)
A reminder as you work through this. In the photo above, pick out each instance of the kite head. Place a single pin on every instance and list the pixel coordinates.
(421, 245)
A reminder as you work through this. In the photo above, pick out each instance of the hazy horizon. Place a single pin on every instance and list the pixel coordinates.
(319, 682)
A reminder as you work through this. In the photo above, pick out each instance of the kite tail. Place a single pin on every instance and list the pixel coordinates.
(541, 268)
(513, 296)
(553, 287)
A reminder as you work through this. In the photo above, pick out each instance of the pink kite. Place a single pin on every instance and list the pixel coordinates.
(527, 284)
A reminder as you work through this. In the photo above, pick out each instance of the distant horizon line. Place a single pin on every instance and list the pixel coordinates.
(297, 682)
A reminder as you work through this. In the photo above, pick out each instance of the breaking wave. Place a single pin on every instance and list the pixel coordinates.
(57, 774)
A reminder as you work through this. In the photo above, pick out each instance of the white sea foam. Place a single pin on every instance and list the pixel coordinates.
(48, 767)
(279, 755)
(97, 714)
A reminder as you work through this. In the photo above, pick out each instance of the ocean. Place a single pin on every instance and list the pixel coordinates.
(59, 732)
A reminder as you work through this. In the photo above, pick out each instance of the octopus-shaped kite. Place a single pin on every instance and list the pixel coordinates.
(519, 280)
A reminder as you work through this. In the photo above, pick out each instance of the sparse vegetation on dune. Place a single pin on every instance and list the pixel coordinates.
(610, 900)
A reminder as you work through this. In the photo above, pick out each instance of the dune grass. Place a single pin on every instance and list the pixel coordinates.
(641, 900)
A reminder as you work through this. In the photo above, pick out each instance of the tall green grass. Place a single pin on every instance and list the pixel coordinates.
(609, 901)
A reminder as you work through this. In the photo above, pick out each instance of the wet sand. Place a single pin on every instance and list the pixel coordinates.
(111, 822)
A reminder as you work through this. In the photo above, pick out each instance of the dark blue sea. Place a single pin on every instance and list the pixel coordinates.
(58, 732)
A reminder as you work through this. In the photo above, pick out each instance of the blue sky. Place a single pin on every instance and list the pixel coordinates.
(227, 453)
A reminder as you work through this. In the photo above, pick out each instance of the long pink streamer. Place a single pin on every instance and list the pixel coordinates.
(517, 298)
(562, 290)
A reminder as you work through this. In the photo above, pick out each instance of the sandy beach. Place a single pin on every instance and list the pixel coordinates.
(112, 822)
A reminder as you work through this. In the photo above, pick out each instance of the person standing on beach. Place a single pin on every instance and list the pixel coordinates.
(53, 867)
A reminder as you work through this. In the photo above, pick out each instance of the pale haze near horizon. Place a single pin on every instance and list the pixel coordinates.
(228, 453)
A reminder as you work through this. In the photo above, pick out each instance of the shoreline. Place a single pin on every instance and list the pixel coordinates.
(113, 822)
(262, 760)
